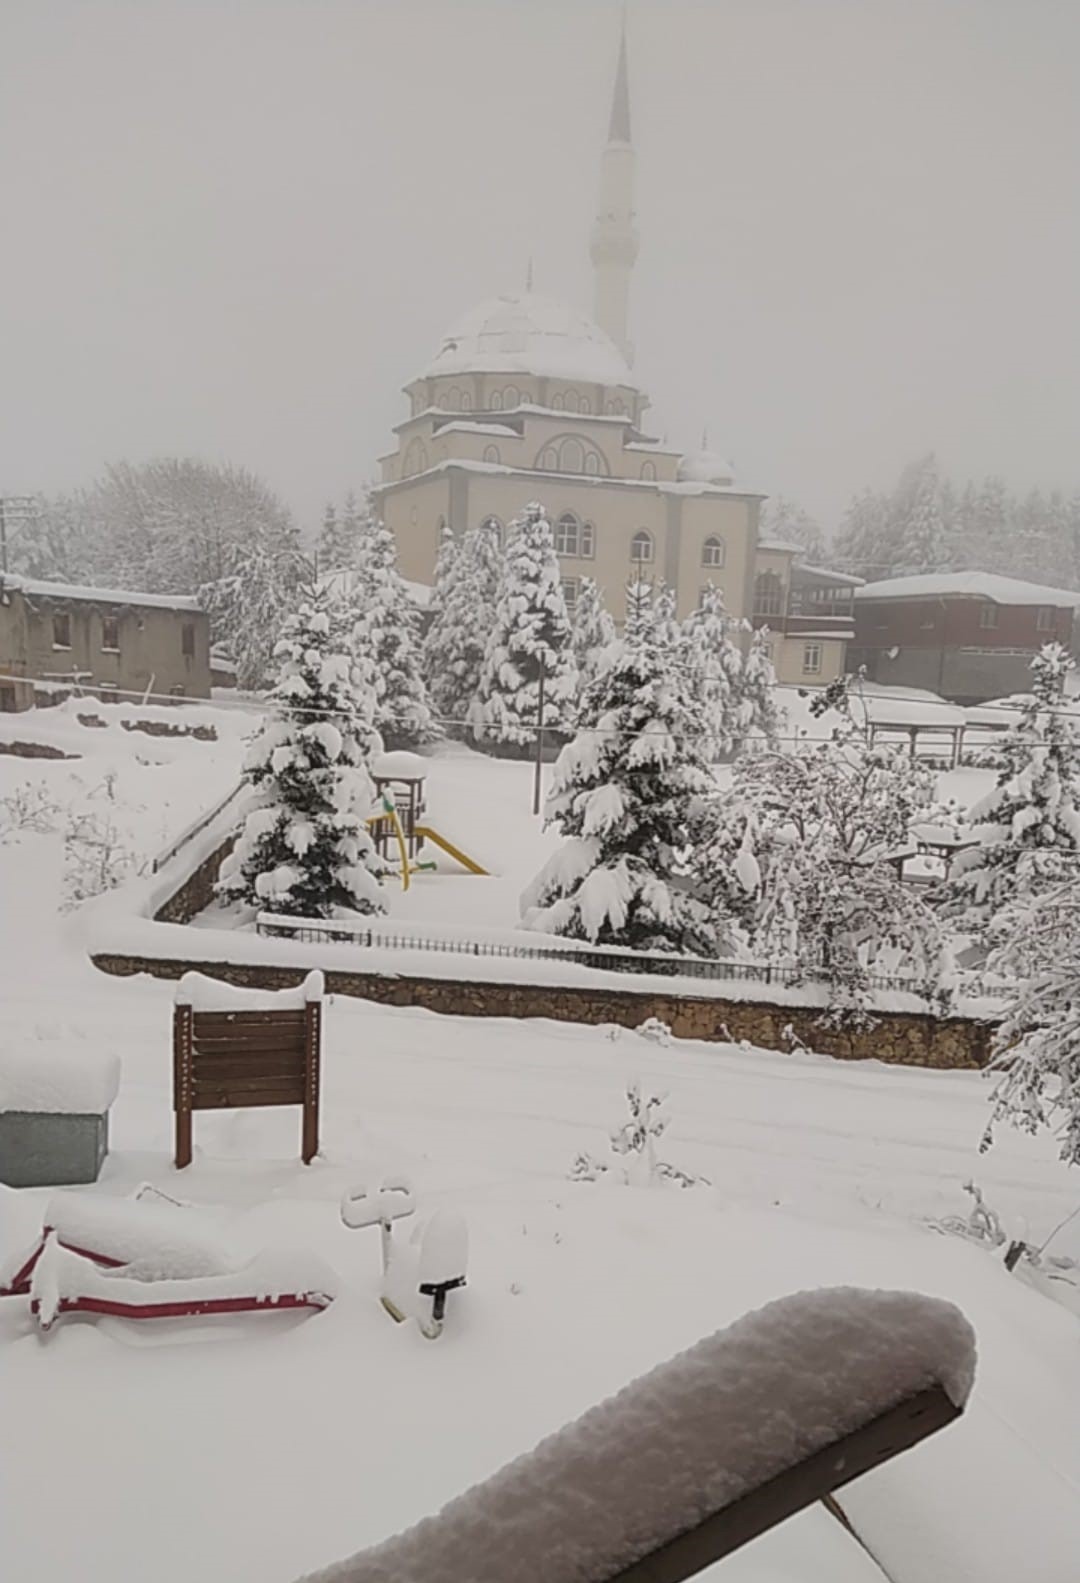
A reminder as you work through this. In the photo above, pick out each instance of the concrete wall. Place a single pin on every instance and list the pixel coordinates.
(898, 1038)
(149, 644)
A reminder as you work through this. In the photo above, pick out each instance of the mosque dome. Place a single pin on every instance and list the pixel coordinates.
(706, 467)
(525, 333)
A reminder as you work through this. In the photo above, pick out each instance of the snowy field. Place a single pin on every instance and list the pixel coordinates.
(260, 1447)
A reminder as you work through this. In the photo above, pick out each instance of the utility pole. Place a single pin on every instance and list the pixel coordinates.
(537, 770)
(16, 510)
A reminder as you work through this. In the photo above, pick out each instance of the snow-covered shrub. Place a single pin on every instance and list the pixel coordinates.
(760, 717)
(716, 672)
(592, 632)
(655, 1030)
(625, 794)
(531, 633)
(305, 849)
(386, 641)
(98, 856)
(29, 809)
(1027, 829)
(634, 1142)
(466, 589)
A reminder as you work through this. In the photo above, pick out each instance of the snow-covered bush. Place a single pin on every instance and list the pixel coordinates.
(98, 855)
(466, 588)
(634, 1142)
(29, 809)
(531, 633)
(1027, 829)
(305, 849)
(760, 717)
(386, 641)
(716, 673)
(626, 794)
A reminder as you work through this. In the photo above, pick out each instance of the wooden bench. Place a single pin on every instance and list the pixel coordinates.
(233, 1048)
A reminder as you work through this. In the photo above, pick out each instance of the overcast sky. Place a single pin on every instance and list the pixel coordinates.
(234, 228)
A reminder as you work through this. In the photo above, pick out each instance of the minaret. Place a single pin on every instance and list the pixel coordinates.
(614, 235)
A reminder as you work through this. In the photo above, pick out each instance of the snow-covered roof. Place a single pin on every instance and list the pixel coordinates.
(845, 579)
(463, 426)
(784, 546)
(524, 333)
(34, 588)
(419, 593)
(705, 467)
(971, 585)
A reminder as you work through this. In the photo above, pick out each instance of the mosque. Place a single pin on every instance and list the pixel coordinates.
(528, 399)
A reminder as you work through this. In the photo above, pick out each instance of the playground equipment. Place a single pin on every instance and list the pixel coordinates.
(400, 828)
(138, 1259)
(431, 1265)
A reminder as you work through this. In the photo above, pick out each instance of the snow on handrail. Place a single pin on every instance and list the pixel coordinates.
(194, 828)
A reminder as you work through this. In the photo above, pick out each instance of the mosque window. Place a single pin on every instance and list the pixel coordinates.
(648, 470)
(571, 456)
(571, 403)
(567, 534)
(415, 459)
(641, 547)
(713, 552)
(592, 463)
(586, 405)
(452, 399)
(511, 396)
(768, 594)
(495, 401)
(570, 588)
(491, 453)
(557, 401)
(548, 460)
(466, 401)
(588, 541)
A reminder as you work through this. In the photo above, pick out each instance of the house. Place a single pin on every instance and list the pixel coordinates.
(102, 640)
(808, 611)
(967, 636)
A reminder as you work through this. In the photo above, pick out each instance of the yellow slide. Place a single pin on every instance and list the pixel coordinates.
(428, 834)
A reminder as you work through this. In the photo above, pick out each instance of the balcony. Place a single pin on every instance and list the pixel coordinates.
(804, 625)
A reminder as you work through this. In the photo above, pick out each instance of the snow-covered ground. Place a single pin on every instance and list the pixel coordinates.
(260, 1447)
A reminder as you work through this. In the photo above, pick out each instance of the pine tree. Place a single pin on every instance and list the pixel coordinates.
(337, 541)
(861, 545)
(305, 850)
(592, 632)
(386, 638)
(457, 638)
(531, 633)
(1037, 1041)
(786, 522)
(250, 602)
(1027, 829)
(626, 794)
(917, 536)
(759, 716)
(714, 669)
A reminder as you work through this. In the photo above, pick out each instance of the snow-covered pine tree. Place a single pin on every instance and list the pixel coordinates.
(1027, 829)
(457, 638)
(386, 638)
(626, 794)
(714, 666)
(446, 557)
(250, 602)
(758, 715)
(531, 632)
(305, 850)
(917, 539)
(337, 541)
(592, 632)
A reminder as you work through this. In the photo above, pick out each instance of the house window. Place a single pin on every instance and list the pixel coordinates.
(988, 615)
(187, 640)
(641, 546)
(713, 552)
(61, 630)
(648, 470)
(177, 691)
(570, 593)
(110, 633)
(1044, 621)
(491, 453)
(811, 659)
(768, 594)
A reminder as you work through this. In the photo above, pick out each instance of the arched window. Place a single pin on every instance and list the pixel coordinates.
(768, 594)
(567, 534)
(415, 459)
(592, 463)
(511, 396)
(586, 405)
(495, 401)
(713, 552)
(452, 399)
(548, 460)
(491, 453)
(466, 401)
(641, 547)
(493, 525)
(571, 403)
(572, 456)
(557, 401)
(648, 469)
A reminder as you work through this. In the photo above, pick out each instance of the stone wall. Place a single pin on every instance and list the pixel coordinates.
(901, 1038)
(196, 892)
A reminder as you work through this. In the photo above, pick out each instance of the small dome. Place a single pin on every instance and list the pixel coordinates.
(528, 334)
(706, 467)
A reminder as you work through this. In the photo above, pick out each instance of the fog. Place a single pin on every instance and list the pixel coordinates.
(235, 229)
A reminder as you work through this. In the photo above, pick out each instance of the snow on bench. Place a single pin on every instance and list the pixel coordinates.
(699, 1456)
(45, 1081)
